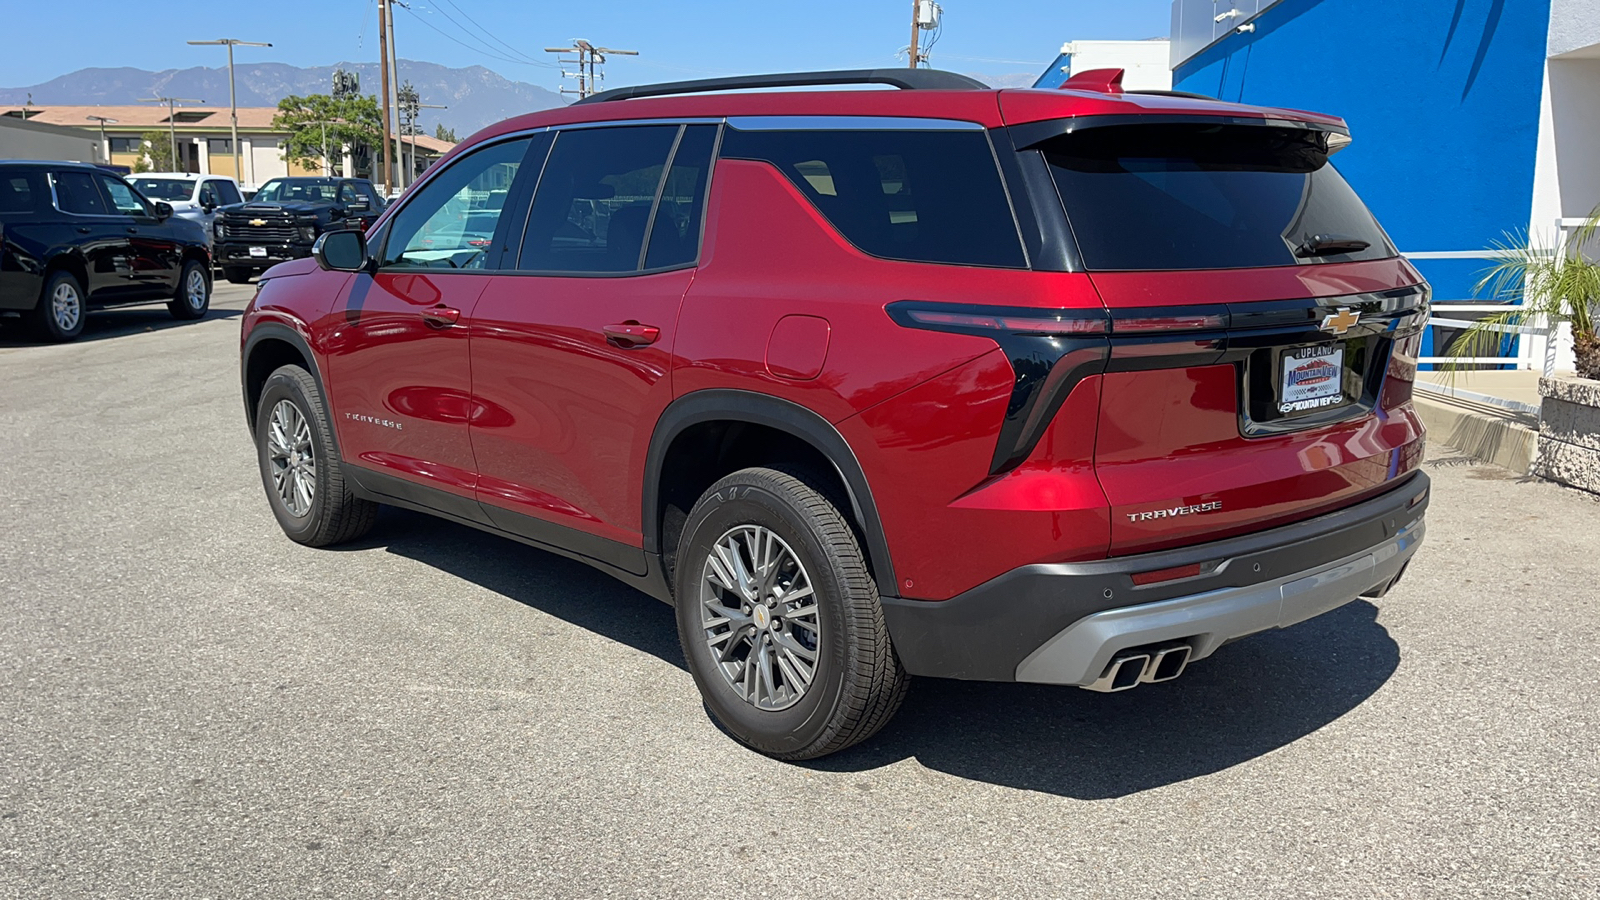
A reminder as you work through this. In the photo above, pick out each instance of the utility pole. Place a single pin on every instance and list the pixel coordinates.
(394, 86)
(172, 125)
(589, 60)
(233, 101)
(924, 17)
(409, 104)
(383, 75)
(104, 147)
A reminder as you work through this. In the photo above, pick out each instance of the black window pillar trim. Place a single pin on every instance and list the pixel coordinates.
(730, 405)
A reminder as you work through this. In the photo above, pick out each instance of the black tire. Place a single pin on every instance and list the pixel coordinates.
(45, 321)
(184, 304)
(857, 683)
(236, 276)
(334, 513)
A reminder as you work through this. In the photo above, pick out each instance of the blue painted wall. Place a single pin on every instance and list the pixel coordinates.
(1442, 97)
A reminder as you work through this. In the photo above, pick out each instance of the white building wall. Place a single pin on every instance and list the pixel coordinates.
(1574, 25)
(1144, 63)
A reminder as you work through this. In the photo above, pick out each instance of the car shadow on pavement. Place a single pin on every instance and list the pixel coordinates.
(1248, 699)
(110, 323)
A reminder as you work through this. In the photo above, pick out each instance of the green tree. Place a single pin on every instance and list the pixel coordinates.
(350, 122)
(446, 134)
(157, 156)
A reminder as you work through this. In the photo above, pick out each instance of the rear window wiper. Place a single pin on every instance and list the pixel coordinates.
(1330, 244)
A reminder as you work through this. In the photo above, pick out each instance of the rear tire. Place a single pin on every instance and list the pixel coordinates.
(235, 275)
(193, 296)
(59, 316)
(780, 620)
(303, 477)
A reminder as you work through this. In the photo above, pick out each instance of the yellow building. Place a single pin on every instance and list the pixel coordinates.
(203, 138)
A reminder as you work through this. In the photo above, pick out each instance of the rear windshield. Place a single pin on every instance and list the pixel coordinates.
(1163, 197)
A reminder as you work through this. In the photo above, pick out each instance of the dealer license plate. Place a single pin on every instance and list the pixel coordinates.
(258, 251)
(1313, 378)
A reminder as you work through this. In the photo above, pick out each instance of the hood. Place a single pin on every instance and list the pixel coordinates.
(303, 207)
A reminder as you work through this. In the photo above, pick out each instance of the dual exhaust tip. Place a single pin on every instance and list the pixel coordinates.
(1142, 665)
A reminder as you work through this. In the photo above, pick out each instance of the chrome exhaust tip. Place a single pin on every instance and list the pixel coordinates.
(1166, 663)
(1124, 671)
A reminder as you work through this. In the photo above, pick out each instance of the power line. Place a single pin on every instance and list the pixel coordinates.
(487, 33)
(479, 49)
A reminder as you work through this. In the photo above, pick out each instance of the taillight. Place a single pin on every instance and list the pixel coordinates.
(993, 321)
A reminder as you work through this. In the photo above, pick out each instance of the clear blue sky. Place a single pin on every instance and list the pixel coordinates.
(676, 38)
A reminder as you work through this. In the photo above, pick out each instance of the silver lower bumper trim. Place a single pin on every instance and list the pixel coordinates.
(1080, 653)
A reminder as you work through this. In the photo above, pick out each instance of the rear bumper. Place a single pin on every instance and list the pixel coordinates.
(1063, 623)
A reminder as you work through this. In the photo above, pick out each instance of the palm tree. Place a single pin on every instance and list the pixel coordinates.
(1551, 286)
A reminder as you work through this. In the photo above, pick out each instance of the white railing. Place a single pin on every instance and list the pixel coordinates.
(1546, 332)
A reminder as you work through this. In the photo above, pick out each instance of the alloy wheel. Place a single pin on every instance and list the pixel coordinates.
(759, 614)
(66, 307)
(194, 289)
(292, 457)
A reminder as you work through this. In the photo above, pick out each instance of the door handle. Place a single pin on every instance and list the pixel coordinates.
(84, 229)
(631, 334)
(133, 231)
(441, 316)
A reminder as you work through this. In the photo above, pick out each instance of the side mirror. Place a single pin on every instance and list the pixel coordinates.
(163, 210)
(208, 208)
(342, 251)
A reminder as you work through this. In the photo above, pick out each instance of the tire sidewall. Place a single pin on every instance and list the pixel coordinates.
(801, 725)
(47, 314)
(281, 386)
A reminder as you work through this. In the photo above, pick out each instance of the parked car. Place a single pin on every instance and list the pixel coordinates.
(73, 237)
(193, 197)
(284, 218)
(1069, 387)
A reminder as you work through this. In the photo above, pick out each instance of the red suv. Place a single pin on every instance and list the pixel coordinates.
(1067, 386)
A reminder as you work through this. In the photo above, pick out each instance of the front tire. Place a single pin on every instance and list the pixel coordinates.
(780, 620)
(303, 477)
(193, 296)
(59, 316)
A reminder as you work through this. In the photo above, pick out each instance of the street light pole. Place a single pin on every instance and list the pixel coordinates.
(233, 103)
(104, 147)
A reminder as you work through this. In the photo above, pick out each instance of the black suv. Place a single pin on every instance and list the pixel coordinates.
(74, 236)
(284, 219)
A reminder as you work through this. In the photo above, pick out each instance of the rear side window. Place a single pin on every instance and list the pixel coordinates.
(1167, 197)
(20, 191)
(922, 196)
(675, 233)
(76, 193)
(592, 206)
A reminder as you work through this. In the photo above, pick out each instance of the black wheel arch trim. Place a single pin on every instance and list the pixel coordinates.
(279, 332)
(723, 404)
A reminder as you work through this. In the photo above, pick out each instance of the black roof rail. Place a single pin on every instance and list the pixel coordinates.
(905, 79)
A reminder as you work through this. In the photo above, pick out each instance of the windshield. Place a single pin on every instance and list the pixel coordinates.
(163, 188)
(316, 190)
(1205, 196)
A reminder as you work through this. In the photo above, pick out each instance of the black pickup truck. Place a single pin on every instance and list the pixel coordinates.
(284, 218)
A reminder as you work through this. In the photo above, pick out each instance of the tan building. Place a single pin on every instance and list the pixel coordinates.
(203, 138)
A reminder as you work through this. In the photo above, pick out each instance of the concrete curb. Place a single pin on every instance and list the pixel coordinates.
(1491, 434)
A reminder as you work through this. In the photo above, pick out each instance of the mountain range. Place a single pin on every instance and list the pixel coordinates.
(475, 96)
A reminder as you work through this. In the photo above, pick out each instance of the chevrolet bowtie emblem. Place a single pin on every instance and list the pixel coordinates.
(1341, 321)
(260, 222)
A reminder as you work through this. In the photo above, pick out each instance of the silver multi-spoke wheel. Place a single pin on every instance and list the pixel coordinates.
(292, 457)
(66, 306)
(194, 289)
(759, 614)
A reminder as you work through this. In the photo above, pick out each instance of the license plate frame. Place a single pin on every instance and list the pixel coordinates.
(1311, 378)
(258, 253)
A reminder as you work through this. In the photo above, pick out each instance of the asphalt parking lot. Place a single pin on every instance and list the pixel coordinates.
(193, 706)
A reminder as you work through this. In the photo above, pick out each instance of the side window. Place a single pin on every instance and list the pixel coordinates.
(923, 196)
(593, 202)
(76, 193)
(675, 233)
(20, 192)
(228, 192)
(451, 223)
(347, 193)
(208, 194)
(124, 200)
